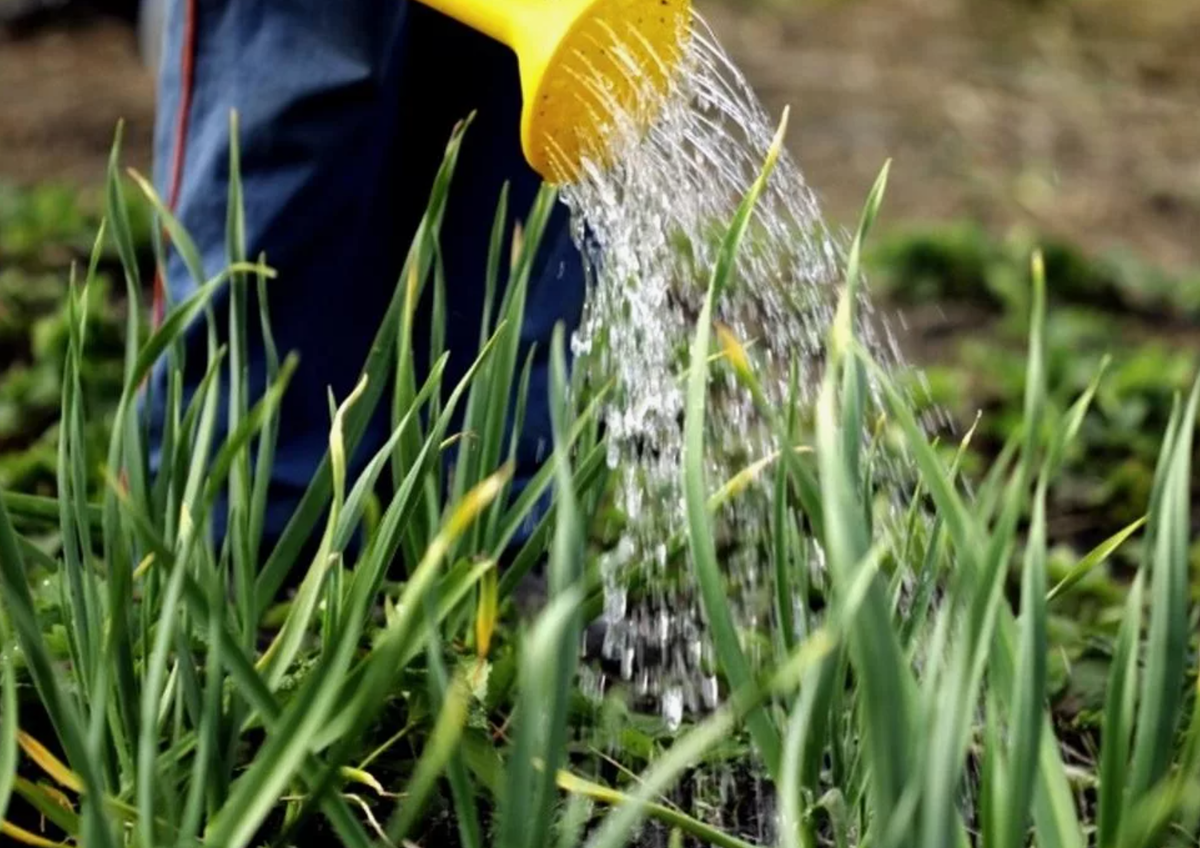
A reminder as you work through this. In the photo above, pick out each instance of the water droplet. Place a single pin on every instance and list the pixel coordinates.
(672, 707)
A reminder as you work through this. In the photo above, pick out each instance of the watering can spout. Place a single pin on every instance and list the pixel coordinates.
(582, 62)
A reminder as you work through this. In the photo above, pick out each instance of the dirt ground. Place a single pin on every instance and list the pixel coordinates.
(1079, 118)
(1082, 118)
(61, 95)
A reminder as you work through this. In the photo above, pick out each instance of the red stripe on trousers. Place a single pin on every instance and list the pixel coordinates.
(182, 117)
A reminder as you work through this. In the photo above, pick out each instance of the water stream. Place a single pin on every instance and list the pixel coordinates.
(650, 227)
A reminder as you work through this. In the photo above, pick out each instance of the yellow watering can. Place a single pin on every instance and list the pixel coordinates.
(575, 58)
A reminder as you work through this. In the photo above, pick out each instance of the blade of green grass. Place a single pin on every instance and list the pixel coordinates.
(419, 530)
(1029, 691)
(1119, 707)
(208, 732)
(117, 214)
(503, 368)
(795, 786)
(64, 716)
(539, 484)
(356, 501)
(1035, 377)
(269, 434)
(1069, 430)
(1093, 558)
(442, 689)
(552, 655)
(689, 749)
(1167, 640)
(993, 786)
(523, 820)
(566, 576)
(312, 504)
(467, 461)
(733, 662)
(74, 548)
(47, 805)
(287, 748)
(588, 477)
(277, 659)
(578, 787)
(887, 686)
(79, 463)
(782, 554)
(435, 755)
(39, 509)
(9, 719)
(181, 240)
(875, 650)
(517, 427)
(151, 789)
(238, 398)
(1055, 817)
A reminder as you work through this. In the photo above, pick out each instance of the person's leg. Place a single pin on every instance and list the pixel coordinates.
(315, 85)
(464, 73)
(345, 111)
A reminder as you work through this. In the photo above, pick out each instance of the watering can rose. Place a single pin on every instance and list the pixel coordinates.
(583, 63)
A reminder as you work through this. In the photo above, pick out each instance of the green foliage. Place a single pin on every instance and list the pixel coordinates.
(1114, 314)
(960, 261)
(170, 697)
(43, 231)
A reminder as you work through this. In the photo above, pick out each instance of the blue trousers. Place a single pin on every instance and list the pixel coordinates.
(345, 109)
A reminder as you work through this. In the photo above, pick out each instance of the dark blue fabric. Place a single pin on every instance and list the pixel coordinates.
(345, 110)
